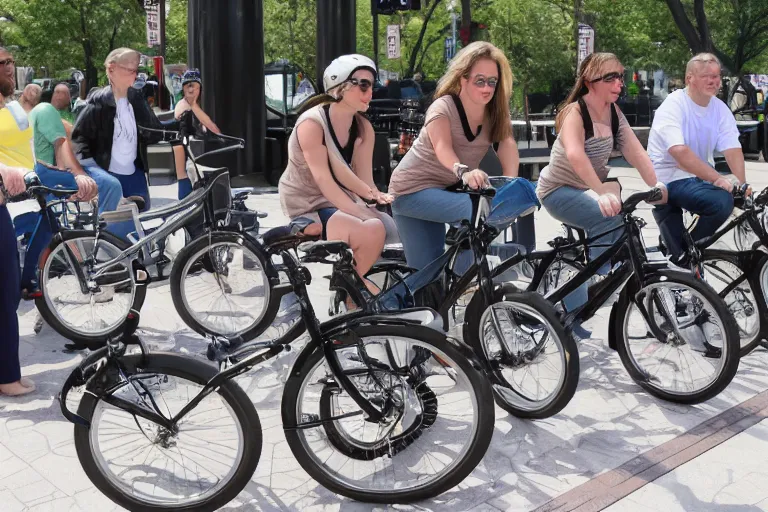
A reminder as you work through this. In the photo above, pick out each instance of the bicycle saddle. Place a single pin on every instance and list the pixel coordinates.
(316, 251)
(285, 237)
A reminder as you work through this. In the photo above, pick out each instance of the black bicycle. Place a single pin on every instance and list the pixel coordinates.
(675, 336)
(533, 365)
(377, 407)
(739, 276)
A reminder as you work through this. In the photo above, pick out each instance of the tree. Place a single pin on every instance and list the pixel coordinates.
(176, 32)
(85, 32)
(740, 32)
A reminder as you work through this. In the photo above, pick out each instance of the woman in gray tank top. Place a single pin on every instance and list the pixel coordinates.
(470, 112)
(574, 187)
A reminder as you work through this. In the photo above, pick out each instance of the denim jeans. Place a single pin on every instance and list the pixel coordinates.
(579, 208)
(421, 218)
(713, 205)
(110, 193)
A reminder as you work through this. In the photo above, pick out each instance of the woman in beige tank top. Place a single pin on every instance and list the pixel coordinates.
(329, 176)
(469, 113)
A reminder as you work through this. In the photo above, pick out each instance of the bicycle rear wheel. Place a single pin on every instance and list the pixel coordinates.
(143, 466)
(436, 431)
(87, 317)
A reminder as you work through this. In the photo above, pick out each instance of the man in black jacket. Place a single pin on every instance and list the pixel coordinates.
(106, 135)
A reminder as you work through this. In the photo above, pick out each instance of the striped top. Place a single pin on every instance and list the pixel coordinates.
(560, 173)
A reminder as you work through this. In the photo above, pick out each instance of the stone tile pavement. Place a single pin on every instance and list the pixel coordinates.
(609, 422)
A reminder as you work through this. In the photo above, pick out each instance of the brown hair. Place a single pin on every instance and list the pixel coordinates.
(498, 107)
(324, 98)
(591, 68)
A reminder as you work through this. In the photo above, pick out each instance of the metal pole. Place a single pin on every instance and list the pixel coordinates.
(375, 33)
(162, 29)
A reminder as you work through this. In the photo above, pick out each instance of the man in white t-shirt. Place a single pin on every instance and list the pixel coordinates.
(689, 126)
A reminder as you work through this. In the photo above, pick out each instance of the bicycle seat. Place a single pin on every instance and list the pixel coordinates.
(569, 230)
(284, 237)
(393, 252)
(317, 251)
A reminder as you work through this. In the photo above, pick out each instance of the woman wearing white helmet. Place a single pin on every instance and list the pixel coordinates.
(328, 186)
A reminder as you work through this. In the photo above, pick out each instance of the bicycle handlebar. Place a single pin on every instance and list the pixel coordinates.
(35, 187)
(632, 201)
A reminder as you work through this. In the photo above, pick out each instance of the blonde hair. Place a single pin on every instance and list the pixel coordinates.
(498, 107)
(591, 68)
(120, 56)
(698, 60)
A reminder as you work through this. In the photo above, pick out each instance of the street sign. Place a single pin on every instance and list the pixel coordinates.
(450, 48)
(393, 41)
(586, 42)
(153, 22)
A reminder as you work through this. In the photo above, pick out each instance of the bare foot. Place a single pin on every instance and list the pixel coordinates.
(17, 388)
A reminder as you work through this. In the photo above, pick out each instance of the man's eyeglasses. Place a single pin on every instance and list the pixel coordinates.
(7, 62)
(480, 82)
(362, 83)
(133, 71)
(609, 78)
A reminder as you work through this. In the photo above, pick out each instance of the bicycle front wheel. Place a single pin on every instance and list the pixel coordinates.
(676, 338)
(438, 421)
(143, 466)
(220, 286)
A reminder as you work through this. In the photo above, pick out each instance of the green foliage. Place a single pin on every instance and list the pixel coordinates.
(176, 32)
(289, 32)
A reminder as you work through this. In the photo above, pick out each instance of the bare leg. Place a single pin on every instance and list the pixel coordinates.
(180, 160)
(365, 238)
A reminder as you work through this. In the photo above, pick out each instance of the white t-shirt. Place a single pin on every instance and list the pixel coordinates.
(680, 121)
(124, 140)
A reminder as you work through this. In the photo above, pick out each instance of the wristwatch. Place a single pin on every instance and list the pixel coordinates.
(460, 169)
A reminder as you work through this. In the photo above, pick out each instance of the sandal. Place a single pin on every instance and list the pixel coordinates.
(18, 388)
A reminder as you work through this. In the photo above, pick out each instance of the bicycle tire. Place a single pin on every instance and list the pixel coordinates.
(90, 340)
(731, 341)
(180, 271)
(472, 336)
(480, 440)
(198, 372)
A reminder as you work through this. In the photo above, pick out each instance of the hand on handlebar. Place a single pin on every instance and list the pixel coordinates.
(13, 181)
(664, 194)
(725, 184)
(87, 188)
(609, 204)
(476, 179)
(383, 197)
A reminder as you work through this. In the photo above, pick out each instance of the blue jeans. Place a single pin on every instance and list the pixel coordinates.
(110, 193)
(578, 208)
(711, 203)
(421, 218)
(10, 295)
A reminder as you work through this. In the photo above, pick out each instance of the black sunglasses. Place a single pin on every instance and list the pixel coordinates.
(481, 82)
(609, 78)
(7, 62)
(362, 83)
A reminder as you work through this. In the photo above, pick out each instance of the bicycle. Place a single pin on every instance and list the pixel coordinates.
(662, 319)
(91, 279)
(739, 276)
(377, 407)
(531, 362)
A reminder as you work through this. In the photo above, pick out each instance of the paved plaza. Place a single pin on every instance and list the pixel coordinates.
(614, 447)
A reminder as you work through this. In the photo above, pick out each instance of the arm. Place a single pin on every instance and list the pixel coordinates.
(316, 155)
(735, 159)
(204, 119)
(13, 180)
(439, 132)
(635, 154)
(689, 162)
(67, 128)
(84, 133)
(65, 157)
(509, 157)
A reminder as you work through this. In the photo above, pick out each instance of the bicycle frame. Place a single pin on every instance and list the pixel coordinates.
(329, 336)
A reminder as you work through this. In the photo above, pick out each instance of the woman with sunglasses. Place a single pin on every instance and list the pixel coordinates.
(470, 112)
(574, 187)
(327, 187)
(106, 136)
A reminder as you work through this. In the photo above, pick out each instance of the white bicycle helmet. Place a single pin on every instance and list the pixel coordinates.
(342, 68)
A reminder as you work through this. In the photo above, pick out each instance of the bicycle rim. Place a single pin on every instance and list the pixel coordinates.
(693, 349)
(741, 301)
(519, 343)
(159, 468)
(92, 313)
(227, 292)
(436, 446)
